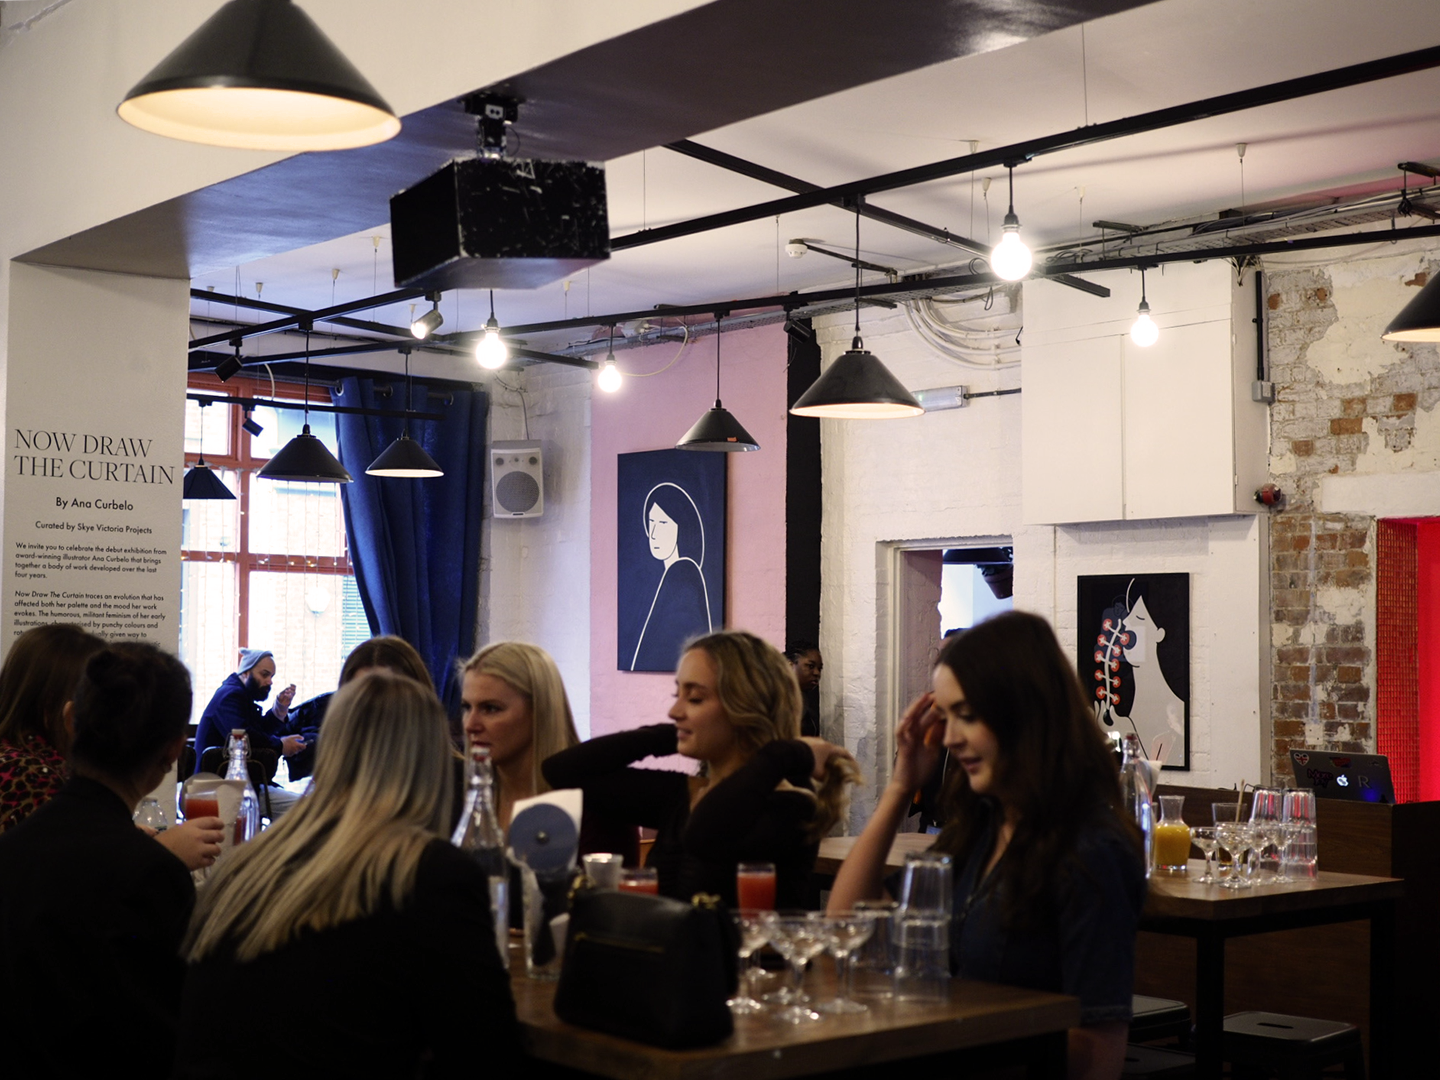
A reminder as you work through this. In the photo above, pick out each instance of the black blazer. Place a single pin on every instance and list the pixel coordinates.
(418, 992)
(91, 916)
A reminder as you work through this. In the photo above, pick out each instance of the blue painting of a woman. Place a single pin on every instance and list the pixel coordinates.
(681, 607)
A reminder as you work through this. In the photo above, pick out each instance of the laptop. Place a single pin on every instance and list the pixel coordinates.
(1357, 777)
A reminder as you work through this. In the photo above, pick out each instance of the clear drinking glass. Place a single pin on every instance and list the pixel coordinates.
(1203, 838)
(1224, 813)
(927, 884)
(1265, 819)
(843, 935)
(1299, 859)
(798, 936)
(874, 967)
(753, 936)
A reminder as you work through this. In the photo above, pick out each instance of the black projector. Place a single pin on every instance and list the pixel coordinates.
(493, 223)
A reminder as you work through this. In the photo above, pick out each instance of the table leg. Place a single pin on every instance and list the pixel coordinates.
(1382, 990)
(1209, 1002)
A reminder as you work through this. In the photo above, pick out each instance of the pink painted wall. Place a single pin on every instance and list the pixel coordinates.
(650, 414)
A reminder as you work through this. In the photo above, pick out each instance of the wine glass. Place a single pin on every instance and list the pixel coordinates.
(1236, 838)
(843, 935)
(1225, 813)
(799, 937)
(1204, 839)
(753, 936)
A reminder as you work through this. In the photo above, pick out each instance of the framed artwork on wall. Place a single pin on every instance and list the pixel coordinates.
(670, 551)
(1134, 659)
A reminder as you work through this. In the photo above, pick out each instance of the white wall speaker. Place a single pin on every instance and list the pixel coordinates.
(517, 481)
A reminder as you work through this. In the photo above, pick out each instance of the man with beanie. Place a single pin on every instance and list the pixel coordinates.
(237, 705)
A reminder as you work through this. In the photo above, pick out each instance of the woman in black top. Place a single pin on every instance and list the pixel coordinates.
(356, 899)
(763, 794)
(1049, 872)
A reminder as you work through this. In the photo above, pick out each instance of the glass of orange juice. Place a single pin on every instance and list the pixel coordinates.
(1172, 837)
(643, 879)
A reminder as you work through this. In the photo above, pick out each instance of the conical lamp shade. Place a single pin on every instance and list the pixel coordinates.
(717, 430)
(201, 483)
(405, 458)
(857, 386)
(305, 459)
(1419, 320)
(260, 75)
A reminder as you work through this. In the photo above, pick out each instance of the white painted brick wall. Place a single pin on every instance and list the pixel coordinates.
(535, 573)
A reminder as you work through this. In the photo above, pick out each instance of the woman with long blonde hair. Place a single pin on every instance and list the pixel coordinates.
(762, 794)
(355, 894)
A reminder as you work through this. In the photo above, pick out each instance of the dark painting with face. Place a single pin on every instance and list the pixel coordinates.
(1134, 659)
(670, 549)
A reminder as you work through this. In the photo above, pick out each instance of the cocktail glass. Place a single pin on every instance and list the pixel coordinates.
(1204, 839)
(843, 935)
(799, 937)
(753, 936)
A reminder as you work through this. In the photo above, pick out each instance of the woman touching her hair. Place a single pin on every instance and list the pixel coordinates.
(1050, 875)
(763, 793)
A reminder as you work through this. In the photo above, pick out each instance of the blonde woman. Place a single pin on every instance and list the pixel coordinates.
(763, 792)
(355, 896)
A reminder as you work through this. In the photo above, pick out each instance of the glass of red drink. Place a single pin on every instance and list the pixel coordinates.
(643, 879)
(755, 886)
(198, 806)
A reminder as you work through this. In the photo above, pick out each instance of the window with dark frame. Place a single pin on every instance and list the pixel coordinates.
(270, 569)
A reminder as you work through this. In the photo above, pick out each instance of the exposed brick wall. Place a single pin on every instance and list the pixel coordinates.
(1346, 402)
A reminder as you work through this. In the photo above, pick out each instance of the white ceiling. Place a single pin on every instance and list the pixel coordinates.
(1167, 53)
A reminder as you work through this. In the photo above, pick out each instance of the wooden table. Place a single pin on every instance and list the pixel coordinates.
(833, 850)
(1003, 1023)
(1211, 915)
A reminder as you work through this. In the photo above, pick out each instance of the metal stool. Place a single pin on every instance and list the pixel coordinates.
(1155, 1018)
(1292, 1047)
(1155, 1063)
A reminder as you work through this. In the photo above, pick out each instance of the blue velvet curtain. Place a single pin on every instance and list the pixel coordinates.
(415, 544)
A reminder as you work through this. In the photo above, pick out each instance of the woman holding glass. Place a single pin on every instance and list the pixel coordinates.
(1049, 872)
(355, 895)
(763, 794)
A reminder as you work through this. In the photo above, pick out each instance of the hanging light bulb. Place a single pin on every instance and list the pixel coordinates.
(1011, 258)
(492, 352)
(1143, 331)
(431, 321)
(610, 378)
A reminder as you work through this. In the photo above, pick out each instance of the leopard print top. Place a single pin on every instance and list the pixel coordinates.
(30, 775)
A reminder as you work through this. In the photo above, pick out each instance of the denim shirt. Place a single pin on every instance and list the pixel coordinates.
(1085, 949)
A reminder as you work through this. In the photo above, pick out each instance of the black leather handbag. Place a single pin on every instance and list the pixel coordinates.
(647, 968)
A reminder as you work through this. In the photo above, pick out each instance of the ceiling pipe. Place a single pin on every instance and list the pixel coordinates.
(1221, 105)
(766, 175)
(796, 301)
(398, 296)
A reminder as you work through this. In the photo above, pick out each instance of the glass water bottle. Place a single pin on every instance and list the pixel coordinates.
(480, 835)
(247, 821)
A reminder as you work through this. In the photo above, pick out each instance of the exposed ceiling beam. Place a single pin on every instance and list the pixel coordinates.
(1270, 94)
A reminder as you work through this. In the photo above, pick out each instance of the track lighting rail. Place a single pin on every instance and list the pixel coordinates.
(323, 315)
(354, 410)
(1223, 104)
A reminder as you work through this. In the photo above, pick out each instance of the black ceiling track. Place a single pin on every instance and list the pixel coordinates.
(1223, 104)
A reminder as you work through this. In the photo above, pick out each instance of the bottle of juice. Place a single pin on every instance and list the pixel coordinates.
(1172, 838)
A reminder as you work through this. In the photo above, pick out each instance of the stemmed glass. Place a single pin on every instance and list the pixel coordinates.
(844, 934)
(753, 936)
(1265, 814)
(799, 937)
(1226, 813)
(1204, 839)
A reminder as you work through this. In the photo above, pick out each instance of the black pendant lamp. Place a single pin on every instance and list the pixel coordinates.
(405, 458)
(857, 386)
(304, 458)
(201, 482)
(717, 429)
(260, 75)
(1419, 320)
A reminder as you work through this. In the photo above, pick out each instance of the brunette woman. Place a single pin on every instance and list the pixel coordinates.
(1049, 872)
(37, 685)
(356, 897)
(763, 794)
